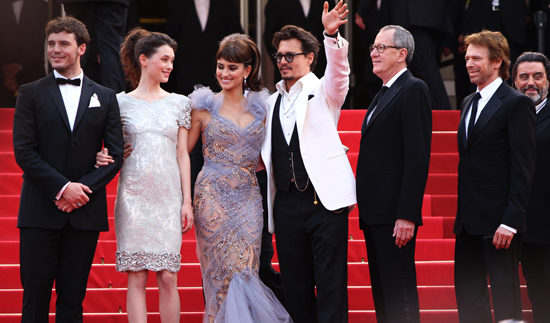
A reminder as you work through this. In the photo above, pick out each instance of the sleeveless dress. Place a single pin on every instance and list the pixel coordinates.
(228, 215)
(149, 197)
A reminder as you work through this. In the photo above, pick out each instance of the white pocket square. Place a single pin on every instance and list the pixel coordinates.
(94, 102)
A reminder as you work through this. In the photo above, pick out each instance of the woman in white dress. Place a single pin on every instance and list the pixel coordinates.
(153, 206)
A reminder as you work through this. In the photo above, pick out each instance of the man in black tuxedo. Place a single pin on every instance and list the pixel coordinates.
(392, 170)
(109, 22)
(22, 61)
(428, 21)
(301, 13)
(60, 122)
(496, 145)
(530, 75)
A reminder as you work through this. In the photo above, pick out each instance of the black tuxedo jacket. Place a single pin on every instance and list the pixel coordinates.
(431, 14)
(50, 155)
(497, 163)
(513, 13)
(538, 211)
(195, 61)
(279, 13)
(394, 155)
(22, 43)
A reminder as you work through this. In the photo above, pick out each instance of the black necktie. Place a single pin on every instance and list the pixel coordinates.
(61, 81)
(473, 114)
(380, 95)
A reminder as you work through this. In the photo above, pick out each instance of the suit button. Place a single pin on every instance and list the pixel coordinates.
(73, 145)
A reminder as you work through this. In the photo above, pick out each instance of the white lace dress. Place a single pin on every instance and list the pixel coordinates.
(149, 197)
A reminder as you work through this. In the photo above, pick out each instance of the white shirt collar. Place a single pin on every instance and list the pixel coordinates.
(541, 105)
(395, 77)
(490, 89)
(298, 86)
(79, 76)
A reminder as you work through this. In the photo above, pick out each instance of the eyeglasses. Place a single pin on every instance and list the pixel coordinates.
(381, 48)
(289, 57)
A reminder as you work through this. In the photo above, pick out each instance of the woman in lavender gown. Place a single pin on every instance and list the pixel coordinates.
(227, 202)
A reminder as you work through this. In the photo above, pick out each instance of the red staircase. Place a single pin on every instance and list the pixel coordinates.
(106, 297)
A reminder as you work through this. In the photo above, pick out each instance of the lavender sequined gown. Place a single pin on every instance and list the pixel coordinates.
(228, 215)
(149, 197)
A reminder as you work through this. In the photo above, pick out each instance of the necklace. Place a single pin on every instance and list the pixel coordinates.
(294, 174)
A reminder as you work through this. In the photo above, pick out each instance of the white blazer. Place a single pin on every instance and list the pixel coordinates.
(324, 157)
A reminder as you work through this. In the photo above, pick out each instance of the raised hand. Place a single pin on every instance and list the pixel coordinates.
(335, 18)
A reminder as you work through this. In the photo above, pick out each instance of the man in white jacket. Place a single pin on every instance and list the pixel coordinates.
(310, 180)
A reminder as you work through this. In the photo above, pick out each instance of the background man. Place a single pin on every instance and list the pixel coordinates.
(496, 145)
(392, 170)
(530, 75)
(60, 122)
(310, 180)
(428, 21)
(109, 22)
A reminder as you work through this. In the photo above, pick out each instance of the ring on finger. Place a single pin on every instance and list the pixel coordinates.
(79, 204)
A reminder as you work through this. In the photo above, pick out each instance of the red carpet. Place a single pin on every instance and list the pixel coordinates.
(106, 296)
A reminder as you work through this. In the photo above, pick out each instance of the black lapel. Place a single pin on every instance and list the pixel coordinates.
(489, 111)
(544, 112)
(461, 135)
(371, 106)
(85, 95)
(53, 88)
(388, 97)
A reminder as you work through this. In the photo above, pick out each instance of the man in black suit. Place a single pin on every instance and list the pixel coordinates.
(60, 122)
(22, 61)
(392, 170)
(301, 13)
(530, 75)
(109, 22)
(201, 25)
(428, 21)
(496, 145)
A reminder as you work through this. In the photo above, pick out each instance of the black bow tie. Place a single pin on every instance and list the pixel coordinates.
(61, 81)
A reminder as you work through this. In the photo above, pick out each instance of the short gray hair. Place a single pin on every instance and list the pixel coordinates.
(402, 38)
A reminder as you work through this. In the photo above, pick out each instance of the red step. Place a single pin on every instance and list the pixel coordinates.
(445, 120)
(442, 184)
(6, 140)
(444, 142)
(6, 118)
(8, 164)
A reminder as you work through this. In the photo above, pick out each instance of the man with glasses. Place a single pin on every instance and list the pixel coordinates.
(310, 180)
(392, 170)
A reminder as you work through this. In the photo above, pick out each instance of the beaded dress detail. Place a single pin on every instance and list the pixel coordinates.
(228, 215)
(149, 197)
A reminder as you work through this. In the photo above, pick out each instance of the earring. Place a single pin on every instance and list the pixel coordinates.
(245, 84)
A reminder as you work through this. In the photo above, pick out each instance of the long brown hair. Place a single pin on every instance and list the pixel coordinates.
(141, 42)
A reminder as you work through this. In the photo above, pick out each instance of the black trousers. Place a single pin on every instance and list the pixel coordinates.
(535, 263)
(393, 275)
(312, 248)
(269, 276)
(63, 255)
(109, 22)
(475, 258)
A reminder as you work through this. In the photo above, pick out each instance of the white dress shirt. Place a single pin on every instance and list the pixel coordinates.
(306, 4)
(287, 111)
(388, 85)
(486, 94)
(202, 6)
(71, 97)
(541, 105)
(17, 7)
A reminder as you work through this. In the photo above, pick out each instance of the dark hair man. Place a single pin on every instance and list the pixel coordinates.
(310, 180)
(496, 145)
(530, 75)
(60, 122)
(392, 170)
